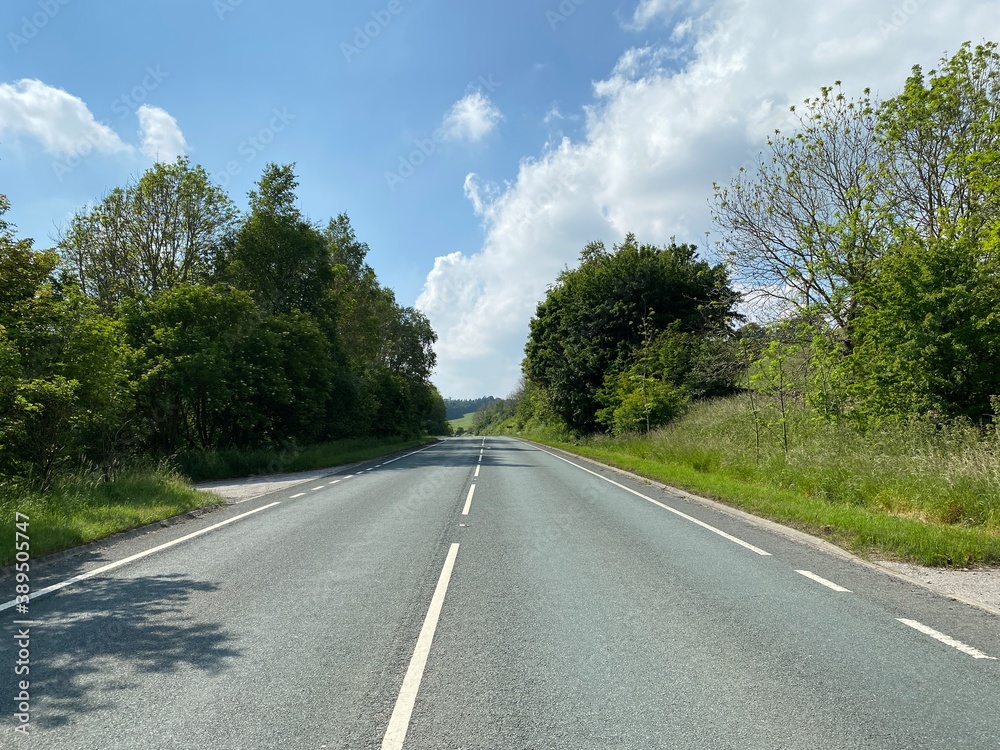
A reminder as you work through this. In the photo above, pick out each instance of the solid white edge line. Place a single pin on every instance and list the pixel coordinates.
(823, 581)
(468, 501)
(399, 723)
(948, 640)
(676, 512)
(407, 455)
(133, 558)
(477, 471)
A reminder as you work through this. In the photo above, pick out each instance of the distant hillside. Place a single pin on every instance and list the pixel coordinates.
(458, 407)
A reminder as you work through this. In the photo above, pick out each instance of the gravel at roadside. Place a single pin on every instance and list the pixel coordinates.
(981, 585)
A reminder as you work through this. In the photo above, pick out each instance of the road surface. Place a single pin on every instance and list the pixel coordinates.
(488, 594)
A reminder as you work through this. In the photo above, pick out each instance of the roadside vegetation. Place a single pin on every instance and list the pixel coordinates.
(862, 400)
(169, 332)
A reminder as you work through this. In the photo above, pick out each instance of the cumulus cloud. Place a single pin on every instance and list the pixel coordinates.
(65, 126)
(659, 132)
(60, 122)
(162, 139)
(471, 118)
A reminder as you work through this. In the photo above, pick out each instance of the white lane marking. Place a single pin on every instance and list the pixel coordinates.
(965, 649)
(378, 466)
(317, 489)
(480, 460)
(301, 494)
(676, 512)
(399, 723)
(371, 469)
(348, 476)
(468, 500)
(139, 556)
(477, 471)
(407, 455)
(335, 481)
(823, 581)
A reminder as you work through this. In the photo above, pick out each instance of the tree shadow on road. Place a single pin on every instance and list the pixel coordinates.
(92, 645)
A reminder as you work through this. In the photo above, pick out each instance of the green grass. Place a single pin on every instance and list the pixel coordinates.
(80, 509)
(911, 492)
(464, 422)
(204, 467)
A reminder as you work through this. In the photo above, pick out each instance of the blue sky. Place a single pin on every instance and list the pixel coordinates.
(547, 124)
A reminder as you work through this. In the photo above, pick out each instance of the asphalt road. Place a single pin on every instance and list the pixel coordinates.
(546, 608)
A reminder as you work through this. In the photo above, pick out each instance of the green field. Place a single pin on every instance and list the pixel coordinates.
(464, 422)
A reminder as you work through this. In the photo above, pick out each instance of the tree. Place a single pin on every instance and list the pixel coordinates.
(805, 227)
(589, 326)
(278, 256)
(164, 229)
(64, 388)
(188, 341)
(941, 136)
(930, 336)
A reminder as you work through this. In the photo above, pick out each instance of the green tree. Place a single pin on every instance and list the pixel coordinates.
(166, 228)
(590, 325)
(278, 256)
(930, 336)
(803, 228)
(188, 341)
(64, 389)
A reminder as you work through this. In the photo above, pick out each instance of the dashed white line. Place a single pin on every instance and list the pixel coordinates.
(399, 723)
(317, 489)
(657, 503)
(477, 471)
(348, 476)
(301, 494)
(111, 566)
(335, 481)
(823, 581)
(468, 500)
(964, 648)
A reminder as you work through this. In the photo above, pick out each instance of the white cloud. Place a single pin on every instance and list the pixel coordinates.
(471, 118)
(65, 127)
(61, 122)
(162, 139)
(657, 136)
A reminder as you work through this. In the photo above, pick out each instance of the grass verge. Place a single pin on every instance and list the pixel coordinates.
(928, 495)
(79, 510)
